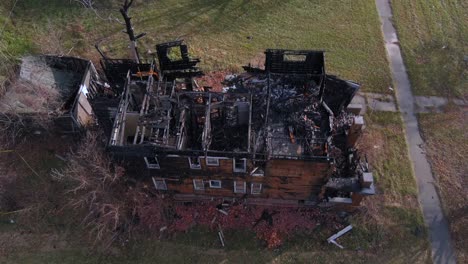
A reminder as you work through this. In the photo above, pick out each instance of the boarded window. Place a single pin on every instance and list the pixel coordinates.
(194, 163)
(240, 186)
(198, 185)
(210, 161)
(152, 163)
(215, 184)
(256, 188)
(159, 184)
(240, 165)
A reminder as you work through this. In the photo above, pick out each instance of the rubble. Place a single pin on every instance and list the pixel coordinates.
(291, 110)
(333, 238)
(273, 225)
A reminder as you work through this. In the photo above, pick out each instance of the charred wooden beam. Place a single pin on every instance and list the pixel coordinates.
(250, 123)
(104, 57)
(206, 135)
(183, 67)
(169, 112)
(267, 113)
(140, 131)
(181, 131)
(355, 131)
(119, 123)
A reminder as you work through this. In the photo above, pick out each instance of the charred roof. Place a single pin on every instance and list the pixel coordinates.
(292, 109)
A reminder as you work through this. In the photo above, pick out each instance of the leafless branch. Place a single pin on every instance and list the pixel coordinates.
(98, 187)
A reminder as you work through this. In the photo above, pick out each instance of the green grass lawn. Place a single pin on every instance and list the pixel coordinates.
(11, 46)
(433, 35)
(218, 30)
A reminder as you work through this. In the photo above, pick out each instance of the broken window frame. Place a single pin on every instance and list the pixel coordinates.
(258, 172)
(198, 184)
(215, 186)
(234, 169)
(212, 164)
(288, 57)
(159, 184)
(194, 166)
(154, 165)
(259, 187)
(174, 54)
(244, 190)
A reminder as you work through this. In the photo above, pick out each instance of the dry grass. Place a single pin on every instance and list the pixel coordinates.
(50, 39)
(24, 97)
(27, 187)
(388, 230)
(446, 139)
(96, 188)
(393, 218)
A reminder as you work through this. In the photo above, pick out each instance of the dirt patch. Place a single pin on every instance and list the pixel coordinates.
(13, 241)
(258, 61)
(214, 80)
(372, 144)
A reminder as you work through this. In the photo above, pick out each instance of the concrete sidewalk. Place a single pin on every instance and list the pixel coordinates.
(386, 103)
(442, 251)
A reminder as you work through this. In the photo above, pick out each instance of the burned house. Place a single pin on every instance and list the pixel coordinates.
(279, 134)
(52, 88)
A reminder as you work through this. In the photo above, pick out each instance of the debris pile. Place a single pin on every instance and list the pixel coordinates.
(270, 224)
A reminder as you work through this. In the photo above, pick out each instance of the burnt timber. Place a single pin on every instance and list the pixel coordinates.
(278, 135)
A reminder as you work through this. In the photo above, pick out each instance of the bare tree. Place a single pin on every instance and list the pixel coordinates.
(98, 188)
(91, 5)
(129, 30)
(124, 10)
(86, 3)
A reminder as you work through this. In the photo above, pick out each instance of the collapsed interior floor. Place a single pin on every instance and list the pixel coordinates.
(279, 112)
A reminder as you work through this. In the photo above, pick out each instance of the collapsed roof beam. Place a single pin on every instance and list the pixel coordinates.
(266, 126)
(250, 123)
(168, 117)
(119, 124)
(140, 132)
(181, 131)
(206, 135)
